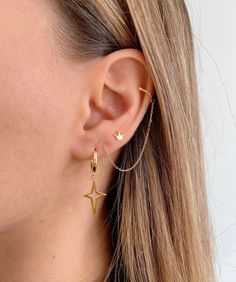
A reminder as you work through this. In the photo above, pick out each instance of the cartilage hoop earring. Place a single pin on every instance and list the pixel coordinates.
(145, 140)
(94, 195)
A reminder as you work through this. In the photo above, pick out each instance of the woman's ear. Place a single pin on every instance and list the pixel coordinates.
(114, 102)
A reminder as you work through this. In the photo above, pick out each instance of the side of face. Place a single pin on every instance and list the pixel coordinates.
(54, 112)
(36, 109)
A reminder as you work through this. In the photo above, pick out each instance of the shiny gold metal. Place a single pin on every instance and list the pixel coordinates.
(145, 140)
(94, 195)
(94, 162)
(119, 135)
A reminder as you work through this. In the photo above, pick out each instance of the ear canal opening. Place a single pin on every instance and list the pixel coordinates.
(113, 107)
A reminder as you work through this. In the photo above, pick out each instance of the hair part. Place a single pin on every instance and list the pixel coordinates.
(159, 219)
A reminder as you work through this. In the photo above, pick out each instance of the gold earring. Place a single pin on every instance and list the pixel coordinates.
(145, 140)
(119, 135)
(94, 195)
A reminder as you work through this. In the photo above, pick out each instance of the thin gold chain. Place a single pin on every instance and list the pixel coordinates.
(145, 140)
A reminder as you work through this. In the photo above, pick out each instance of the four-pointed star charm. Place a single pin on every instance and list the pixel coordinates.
(94, 195)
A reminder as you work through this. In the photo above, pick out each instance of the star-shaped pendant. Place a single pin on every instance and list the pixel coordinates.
(94, 195)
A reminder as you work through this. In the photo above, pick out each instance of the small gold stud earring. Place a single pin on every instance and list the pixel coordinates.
(119, 135)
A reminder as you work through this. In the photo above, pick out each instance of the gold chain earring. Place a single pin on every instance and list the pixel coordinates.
(94, 195)
(119, 135)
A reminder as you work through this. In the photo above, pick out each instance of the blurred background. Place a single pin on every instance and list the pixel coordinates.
(214, 27)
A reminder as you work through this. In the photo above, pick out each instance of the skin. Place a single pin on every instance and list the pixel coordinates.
(53, 113)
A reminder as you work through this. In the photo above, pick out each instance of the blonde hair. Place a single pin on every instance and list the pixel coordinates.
(159, 221)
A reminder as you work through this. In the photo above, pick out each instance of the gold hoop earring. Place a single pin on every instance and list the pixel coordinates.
(94, 195)
(145, 140)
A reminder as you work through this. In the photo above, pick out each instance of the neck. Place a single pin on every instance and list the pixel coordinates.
(60, 244)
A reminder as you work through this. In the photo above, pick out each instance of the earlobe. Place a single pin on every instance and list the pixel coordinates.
(116, 103)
